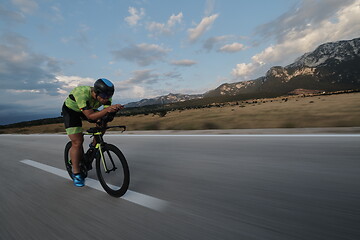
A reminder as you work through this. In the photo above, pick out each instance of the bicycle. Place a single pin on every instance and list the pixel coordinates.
(111, 166)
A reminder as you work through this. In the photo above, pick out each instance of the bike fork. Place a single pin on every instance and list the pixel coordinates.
(103, 159)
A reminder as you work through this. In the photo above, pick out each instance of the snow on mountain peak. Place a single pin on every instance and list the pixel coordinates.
(340, 51)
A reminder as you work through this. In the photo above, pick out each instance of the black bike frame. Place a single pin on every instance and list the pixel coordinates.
(98, 133)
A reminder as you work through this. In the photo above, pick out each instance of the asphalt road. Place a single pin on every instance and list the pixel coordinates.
(209, 187)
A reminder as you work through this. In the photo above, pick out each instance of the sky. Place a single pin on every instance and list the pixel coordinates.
(149, 48)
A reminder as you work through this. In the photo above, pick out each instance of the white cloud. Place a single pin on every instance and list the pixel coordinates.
(184, 62)
(23, 91)
(70, 82)
(344, 24)
(244, 70)
(23, 69)
(145, 76)
(213, 42)
(139, 85)
(175, 19)
(149, 76)
(165, 28)
(233, 47)
(307, 13)
(144, 54)
(135, 16)
(132, 92)
(201, 28)
(138, 91)
(145, 83)
(152, 47)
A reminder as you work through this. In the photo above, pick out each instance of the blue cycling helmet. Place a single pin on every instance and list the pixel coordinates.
(104, 88)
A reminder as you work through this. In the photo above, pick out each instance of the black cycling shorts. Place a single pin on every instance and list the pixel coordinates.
(72, 120)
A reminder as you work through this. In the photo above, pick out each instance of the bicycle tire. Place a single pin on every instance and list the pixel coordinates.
(115, 186)
(68, 164)
(67, 159)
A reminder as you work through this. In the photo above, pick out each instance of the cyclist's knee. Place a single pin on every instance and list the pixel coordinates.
(77, 140)
(77, 143)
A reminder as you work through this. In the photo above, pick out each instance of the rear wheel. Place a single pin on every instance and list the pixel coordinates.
(113, 171)
(68, 163)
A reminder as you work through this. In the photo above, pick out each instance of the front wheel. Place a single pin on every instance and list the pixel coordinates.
(112, 170)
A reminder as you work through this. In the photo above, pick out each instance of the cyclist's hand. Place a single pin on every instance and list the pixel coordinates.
(119, 107)
(114, 108)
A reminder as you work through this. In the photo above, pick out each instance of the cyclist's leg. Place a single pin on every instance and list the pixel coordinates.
(76, 151)
(73, 126)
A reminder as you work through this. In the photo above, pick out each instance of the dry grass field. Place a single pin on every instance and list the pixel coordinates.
(339, 110)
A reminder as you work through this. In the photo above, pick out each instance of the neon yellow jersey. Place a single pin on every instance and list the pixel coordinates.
(80, 99)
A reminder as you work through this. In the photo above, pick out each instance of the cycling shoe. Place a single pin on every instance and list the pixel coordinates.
(79, 180)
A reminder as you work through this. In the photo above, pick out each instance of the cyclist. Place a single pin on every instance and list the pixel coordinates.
(82, 103)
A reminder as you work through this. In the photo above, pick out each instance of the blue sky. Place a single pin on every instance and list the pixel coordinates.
(150, 48)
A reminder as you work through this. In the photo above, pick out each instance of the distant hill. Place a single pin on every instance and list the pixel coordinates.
(333, 66)
(170, 98)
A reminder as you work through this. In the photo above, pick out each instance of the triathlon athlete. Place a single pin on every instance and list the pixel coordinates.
(82, 103)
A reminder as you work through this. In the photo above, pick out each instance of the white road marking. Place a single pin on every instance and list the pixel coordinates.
(131, 196)
(205, 135)
(234, 135)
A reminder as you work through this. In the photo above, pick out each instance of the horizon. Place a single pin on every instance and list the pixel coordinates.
(151, 48)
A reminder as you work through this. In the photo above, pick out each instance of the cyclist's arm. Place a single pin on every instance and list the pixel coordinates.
(92, 115)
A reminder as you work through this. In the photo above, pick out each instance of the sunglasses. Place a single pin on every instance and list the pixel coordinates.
(104, 96)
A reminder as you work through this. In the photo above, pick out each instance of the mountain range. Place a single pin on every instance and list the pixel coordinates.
(170, 98)
(331, 66)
